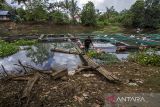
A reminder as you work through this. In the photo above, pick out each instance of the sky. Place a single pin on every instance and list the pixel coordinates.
(119, 5)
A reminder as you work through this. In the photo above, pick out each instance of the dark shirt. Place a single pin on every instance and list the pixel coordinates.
(87, 42)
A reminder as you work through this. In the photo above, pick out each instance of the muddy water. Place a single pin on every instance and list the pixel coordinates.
(40, 57)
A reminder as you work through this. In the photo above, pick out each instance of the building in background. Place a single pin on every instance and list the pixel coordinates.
(4, 15)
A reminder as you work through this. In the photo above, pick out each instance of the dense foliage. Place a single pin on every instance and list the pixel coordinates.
(7, 49)
(142, 14)
(149, 57)
(88, 15)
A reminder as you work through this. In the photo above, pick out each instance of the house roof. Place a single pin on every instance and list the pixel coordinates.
(4, 13)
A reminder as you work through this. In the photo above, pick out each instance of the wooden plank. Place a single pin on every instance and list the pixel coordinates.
(93, 64)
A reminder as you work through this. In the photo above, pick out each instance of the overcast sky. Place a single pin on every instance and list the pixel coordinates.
(101, 4)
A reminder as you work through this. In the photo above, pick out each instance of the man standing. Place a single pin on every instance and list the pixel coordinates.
(87, 43)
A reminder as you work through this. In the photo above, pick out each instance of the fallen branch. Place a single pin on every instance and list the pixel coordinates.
(29, 86)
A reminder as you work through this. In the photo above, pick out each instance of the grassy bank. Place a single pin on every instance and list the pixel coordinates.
(46, 28)
(147, 57)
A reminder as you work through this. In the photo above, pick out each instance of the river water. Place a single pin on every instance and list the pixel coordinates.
(40, 57)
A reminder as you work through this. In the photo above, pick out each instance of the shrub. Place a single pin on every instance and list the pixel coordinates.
(148, 57)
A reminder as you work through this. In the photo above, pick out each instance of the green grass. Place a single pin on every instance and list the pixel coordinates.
(148, 57)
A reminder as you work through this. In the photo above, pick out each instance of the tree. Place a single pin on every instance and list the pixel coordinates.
(152, 13)
(126, 18)
(137, 10)
(58, 17)
(4, 5)
(73, 9)
(36, 11)
(88, 15)
(109, 12)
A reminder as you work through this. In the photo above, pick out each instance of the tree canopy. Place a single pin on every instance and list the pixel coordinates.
(88, 15)
(142, 14)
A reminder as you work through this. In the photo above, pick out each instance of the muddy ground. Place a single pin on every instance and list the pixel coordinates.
(10, 28)
(85, 89)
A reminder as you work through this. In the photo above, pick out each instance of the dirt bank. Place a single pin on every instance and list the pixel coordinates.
(85, 89)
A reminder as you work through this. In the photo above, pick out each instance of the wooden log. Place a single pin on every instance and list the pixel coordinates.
(29, 86)
(80, 52)
(99, 68)
(84, 69)
(21, 79)
(63, 51)
(59, 74)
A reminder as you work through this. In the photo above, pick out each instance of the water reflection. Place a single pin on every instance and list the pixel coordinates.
(40, 57)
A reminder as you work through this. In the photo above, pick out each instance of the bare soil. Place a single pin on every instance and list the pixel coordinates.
(84, 89)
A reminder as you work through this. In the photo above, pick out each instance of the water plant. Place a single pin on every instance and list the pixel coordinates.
(7, 48)
(106, 58)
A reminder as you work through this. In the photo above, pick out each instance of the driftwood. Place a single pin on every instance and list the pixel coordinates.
(30, 84)
(59, 74)
(63, 51)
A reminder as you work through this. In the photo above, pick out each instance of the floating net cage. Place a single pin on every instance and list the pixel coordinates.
(130, 40)
(155, 37)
